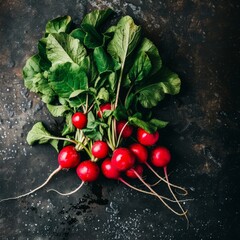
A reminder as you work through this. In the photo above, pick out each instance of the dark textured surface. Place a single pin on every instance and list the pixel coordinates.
(197, 39)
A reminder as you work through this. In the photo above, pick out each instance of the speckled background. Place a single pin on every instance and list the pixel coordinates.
(197, 39)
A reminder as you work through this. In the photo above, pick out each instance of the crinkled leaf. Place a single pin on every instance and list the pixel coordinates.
(103, 61)
(79, 34)
(39, 134)
(151, 50)
(125, 39)
(60, 24)
(34, 79)
(66, 78)
(32, 72)
(140, 69)
(44, 62)
(103, 94)
(92, 38)
(169, 81)
(150, 94)
(90, 68)
(57, 110)
(62, 48)
(97, 17)
(68, 127)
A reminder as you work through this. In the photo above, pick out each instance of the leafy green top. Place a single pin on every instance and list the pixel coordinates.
(77, 69)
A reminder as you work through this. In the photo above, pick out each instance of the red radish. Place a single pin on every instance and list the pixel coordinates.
(88, 171)
(79, 120)
(108, 170)
(67, 158)
(100, 149)
(104, 107)
(131, 172)
(145, 138)
(122, 159)
(124, 129)
(140, 152)
(160, 156)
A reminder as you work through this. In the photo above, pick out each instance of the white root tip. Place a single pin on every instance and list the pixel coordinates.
(66, 194)
(34, 190)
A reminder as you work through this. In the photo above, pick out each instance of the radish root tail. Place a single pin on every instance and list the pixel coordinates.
(185, 192)
(34, 190)
(66, 194)
(159, 196)
(174, 196)
(150, 193)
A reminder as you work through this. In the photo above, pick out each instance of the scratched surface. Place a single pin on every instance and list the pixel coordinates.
(197, 39)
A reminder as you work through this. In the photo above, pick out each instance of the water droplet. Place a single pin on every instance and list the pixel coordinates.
(112, 208)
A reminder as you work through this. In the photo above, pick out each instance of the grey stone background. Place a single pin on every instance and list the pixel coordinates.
(197, 39)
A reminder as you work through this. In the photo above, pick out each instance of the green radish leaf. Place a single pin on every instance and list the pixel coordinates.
(90, 68)
(147, 126)
(57, 110)
(120, 113)
(107, 113)
(91, 91)
(60, 24)
(44, 62)
(169, 81)
(97, 17)
(67, 78)
(112, 79)
(62, 48)
(150, 94)
(76, 93)
(39, 134)
(54, 143)
(79, 34)
(129, 100)
(151, 50)
(92, 38)
(32, 72)
(103, 94)
(68, 127)
(158, 123)
(93, 134)
(125, 39)
(103, 61)
(35, 81)
(140, 69)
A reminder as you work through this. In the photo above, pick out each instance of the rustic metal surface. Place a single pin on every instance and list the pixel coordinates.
(197, 39)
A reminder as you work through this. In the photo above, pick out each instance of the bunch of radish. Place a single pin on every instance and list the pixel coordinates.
(103, 83)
